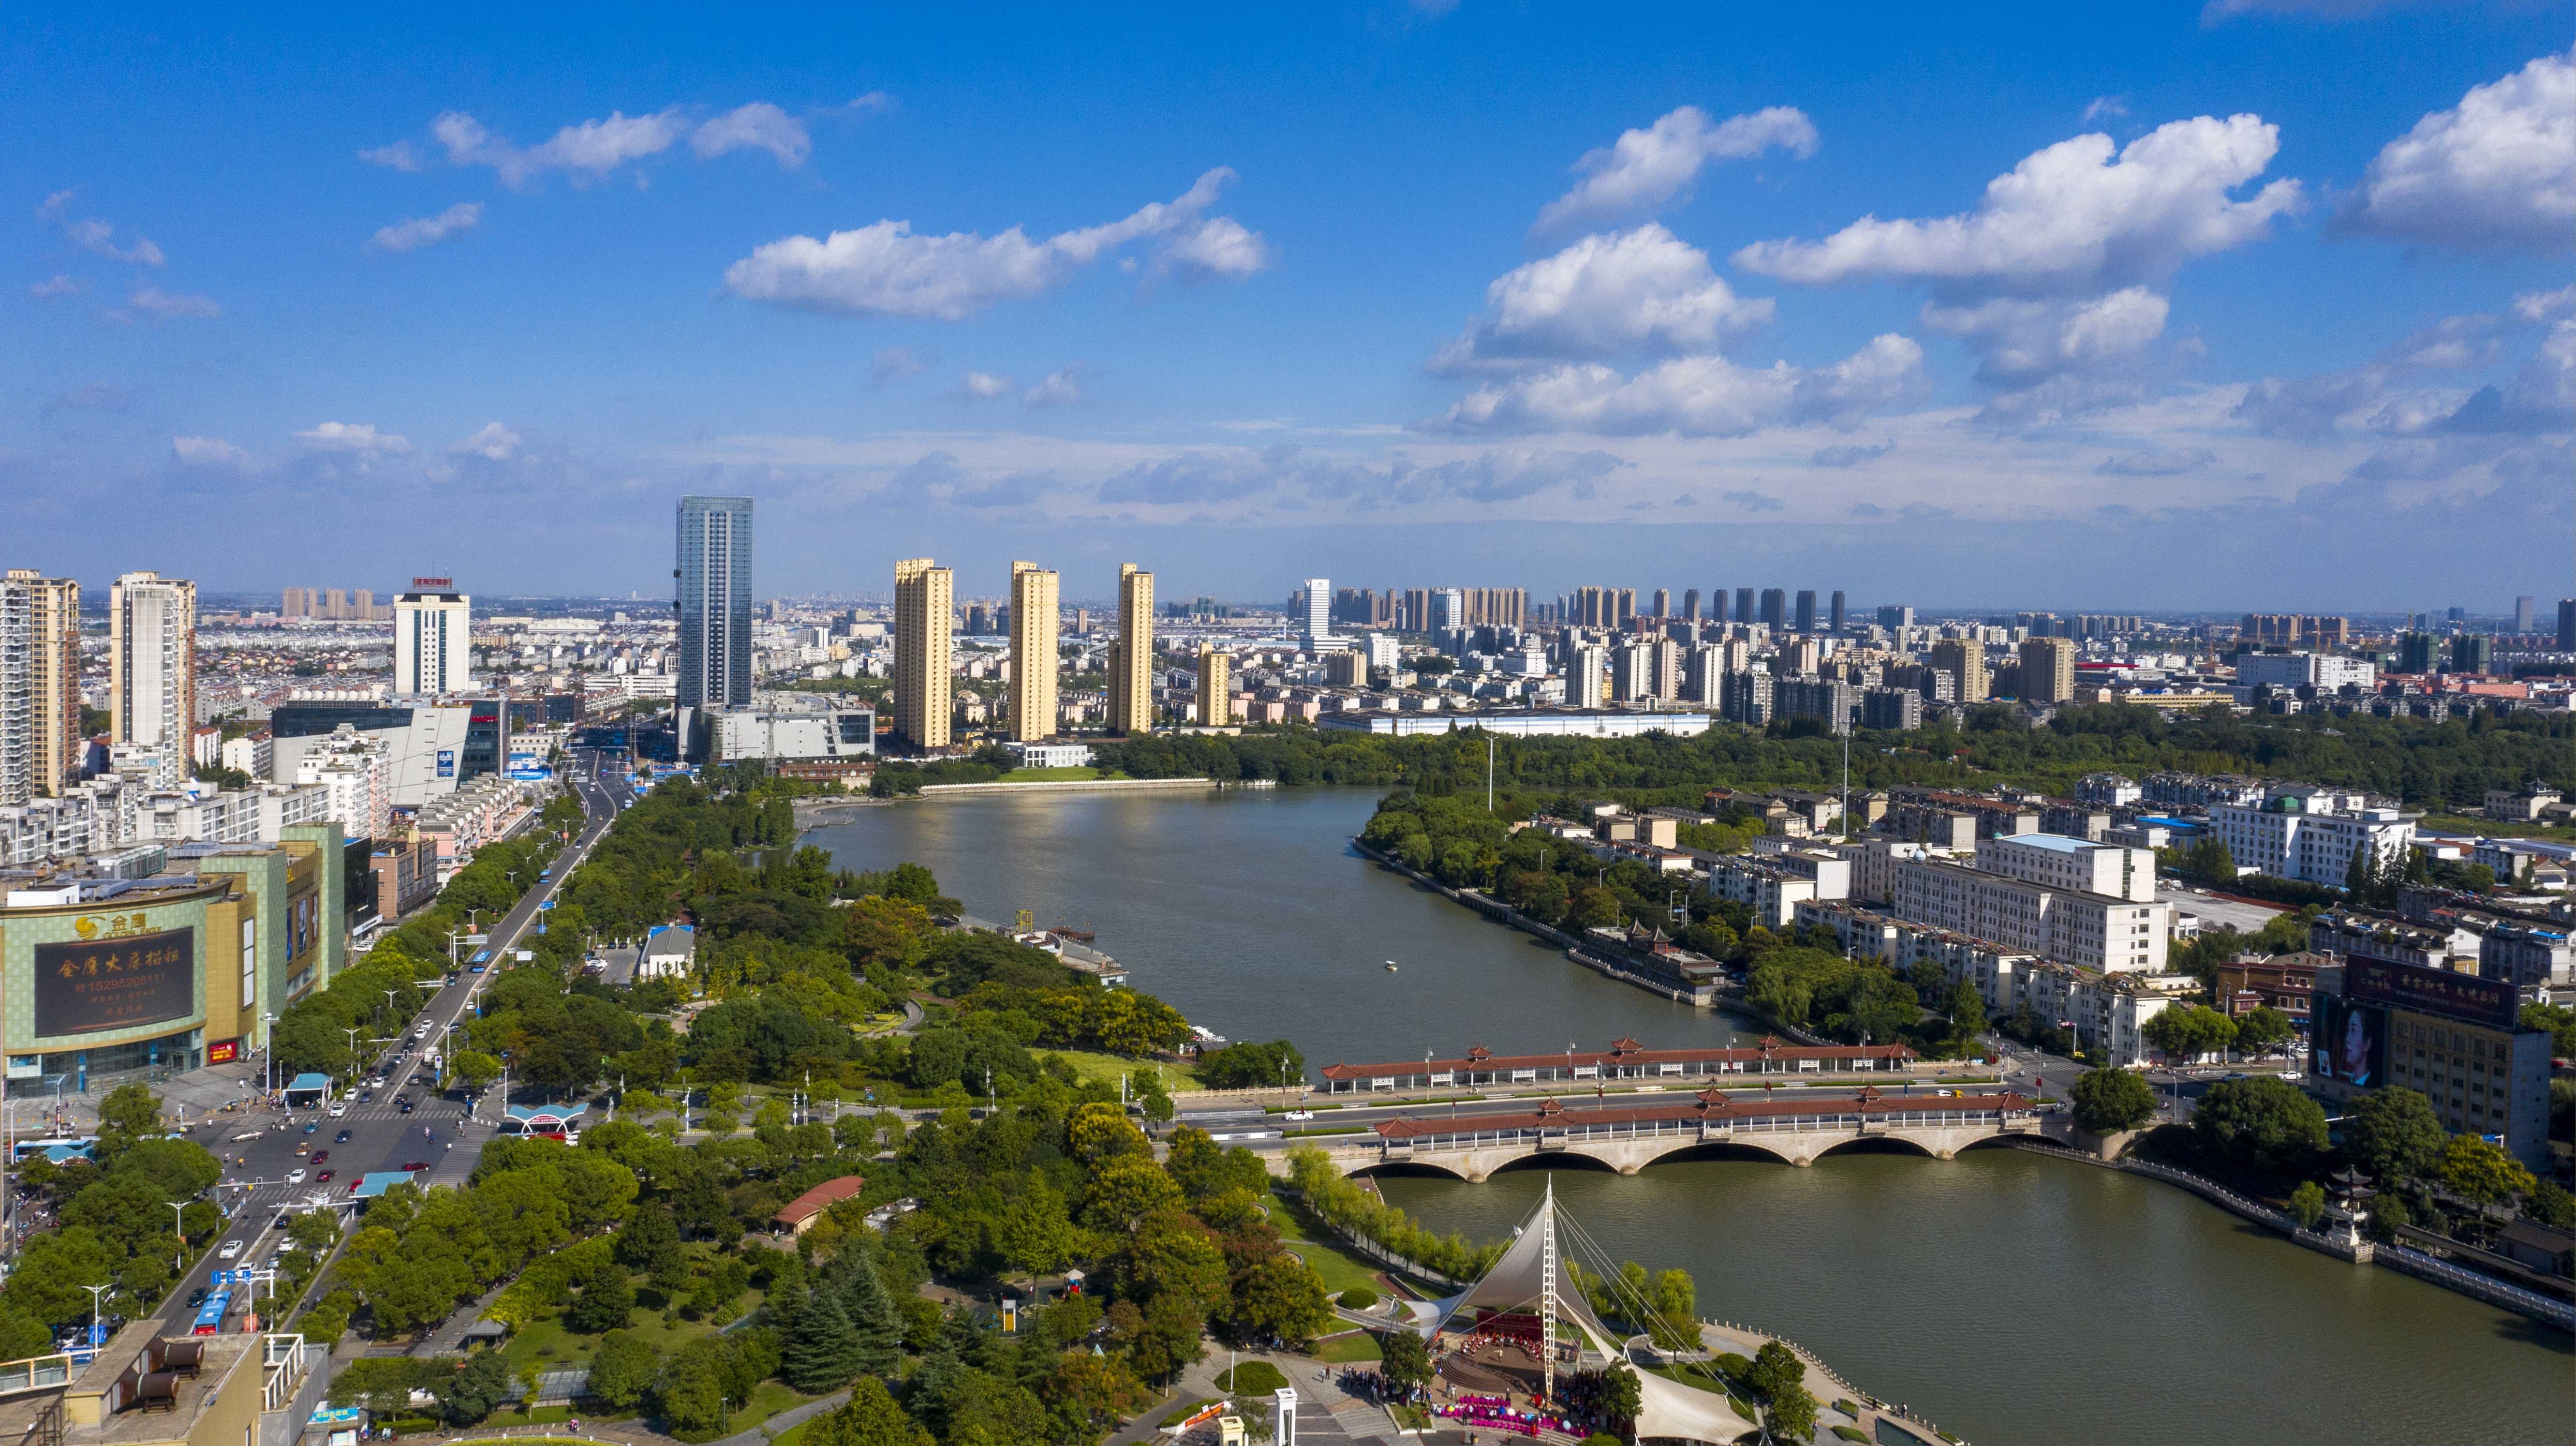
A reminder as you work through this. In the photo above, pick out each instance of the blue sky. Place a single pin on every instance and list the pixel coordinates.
(2253, 303)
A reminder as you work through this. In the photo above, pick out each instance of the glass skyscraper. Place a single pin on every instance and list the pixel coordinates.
(714, 576)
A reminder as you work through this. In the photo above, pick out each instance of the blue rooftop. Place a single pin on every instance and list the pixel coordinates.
(309, 1081)
(377, 1182)
(2056, 842)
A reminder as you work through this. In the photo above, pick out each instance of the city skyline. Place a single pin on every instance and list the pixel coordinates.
(2232, 295)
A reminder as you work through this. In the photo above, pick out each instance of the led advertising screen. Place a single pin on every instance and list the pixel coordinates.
(2464, 997)
(2351, 1041)
(89, 985)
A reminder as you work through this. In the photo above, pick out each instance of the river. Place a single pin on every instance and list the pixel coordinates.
(2008, 1297)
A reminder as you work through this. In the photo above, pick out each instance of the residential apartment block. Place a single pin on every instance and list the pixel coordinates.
(2097, 931)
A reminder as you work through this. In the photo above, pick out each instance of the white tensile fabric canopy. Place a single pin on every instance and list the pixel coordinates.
(1669, 1409)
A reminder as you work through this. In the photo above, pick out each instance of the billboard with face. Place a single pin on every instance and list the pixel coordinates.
(2351, 1041)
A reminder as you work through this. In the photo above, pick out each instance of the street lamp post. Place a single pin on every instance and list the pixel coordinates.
(94, 1290)
(179, 1227)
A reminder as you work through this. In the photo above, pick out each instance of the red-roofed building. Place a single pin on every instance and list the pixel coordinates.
(798, 1215)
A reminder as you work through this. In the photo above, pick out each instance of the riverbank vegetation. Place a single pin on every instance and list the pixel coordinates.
(2435, 764)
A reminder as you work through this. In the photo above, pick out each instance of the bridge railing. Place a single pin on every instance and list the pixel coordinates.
(1550, 1136)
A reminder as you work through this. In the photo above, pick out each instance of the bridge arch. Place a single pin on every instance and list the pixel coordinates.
(1571, 1158)
(1724, 1150)
(1412, 1167)
(1880, 1145)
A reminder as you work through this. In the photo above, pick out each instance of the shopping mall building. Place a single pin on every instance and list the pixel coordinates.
(106, 978)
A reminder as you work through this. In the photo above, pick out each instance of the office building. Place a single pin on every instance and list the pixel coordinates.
(714, 575)
(2093, 931)
(1448, 609)
(924, 617)
(1035, 640)
(1744, 612)
(152, 671)
(40, 735)
(1216, 691)
(1775, 609)
(1838, 618)
(793, 728)
(433, 746)
(433, 639)
(2047, 672)
(2453, 1038)
(1894, 617)
(1319, 610)
(2567, 625)
(2302, 831)
(1131, 653)
(2526, 614)
(1806, 619)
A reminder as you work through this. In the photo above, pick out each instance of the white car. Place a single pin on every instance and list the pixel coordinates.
(340, 1110)
(233, 1248)
(1299, 1115)
(293, 1177)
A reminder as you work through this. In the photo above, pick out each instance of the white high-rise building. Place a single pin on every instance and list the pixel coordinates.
(356, 774)
(152, 672)
(2305, 832)
(1586, 678)
(1319, 609)
(433, 641)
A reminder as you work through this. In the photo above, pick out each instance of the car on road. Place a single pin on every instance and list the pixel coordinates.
(354, 1184)
(309, 1129)
(284, 1219)
(341, 1138)
(340, 1109)
(319, 1156)
(196, 1297)
(415, 1166)
(1299, 1115)
(322, 1179)
(295, 1176)
(233, 1248)
(405, 1103)
(366, 1096)
(248, 1135)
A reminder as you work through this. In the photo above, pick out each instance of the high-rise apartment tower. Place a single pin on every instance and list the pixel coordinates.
(40, 733)
(1035, 632)
(924, 615)
(1216, 687)
(1131, 654)
(152, 670)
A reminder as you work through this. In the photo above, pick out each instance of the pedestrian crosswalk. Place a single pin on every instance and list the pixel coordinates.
(421, 1114)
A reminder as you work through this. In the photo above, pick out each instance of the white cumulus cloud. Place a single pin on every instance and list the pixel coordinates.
(494, 443)
(1641, 290)
(2074, 217)
(2495, 172)
(60, 284)
(1705, 396)
(415, 232)
(984, 385)
(587, 151)
(2026, 341)
(400, 156)
(885, 269)
(210, 452)
(1643, 169)
(757, 126)
(359, 438)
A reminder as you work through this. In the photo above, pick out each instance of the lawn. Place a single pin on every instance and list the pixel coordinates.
(1106, 1068)
(1051, 775)
(1348, 1348)
(1334, 1265)
(547, 1344)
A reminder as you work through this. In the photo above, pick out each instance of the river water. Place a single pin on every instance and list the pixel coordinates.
(2006, 1296)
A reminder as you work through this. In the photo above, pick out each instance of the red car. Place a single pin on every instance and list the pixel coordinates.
(416, 1165)
(320, 1155)
(354, 1184)
(322, 1179)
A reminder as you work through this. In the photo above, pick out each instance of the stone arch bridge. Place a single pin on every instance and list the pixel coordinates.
(1797, 1131)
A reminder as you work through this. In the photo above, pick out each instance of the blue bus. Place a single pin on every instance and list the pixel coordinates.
(482, 957)
(210, 1316)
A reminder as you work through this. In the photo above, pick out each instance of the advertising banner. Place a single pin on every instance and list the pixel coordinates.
(2351, 1041)
(447, 763)
(89, 985)
(2464, 997)
(223, 1051)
